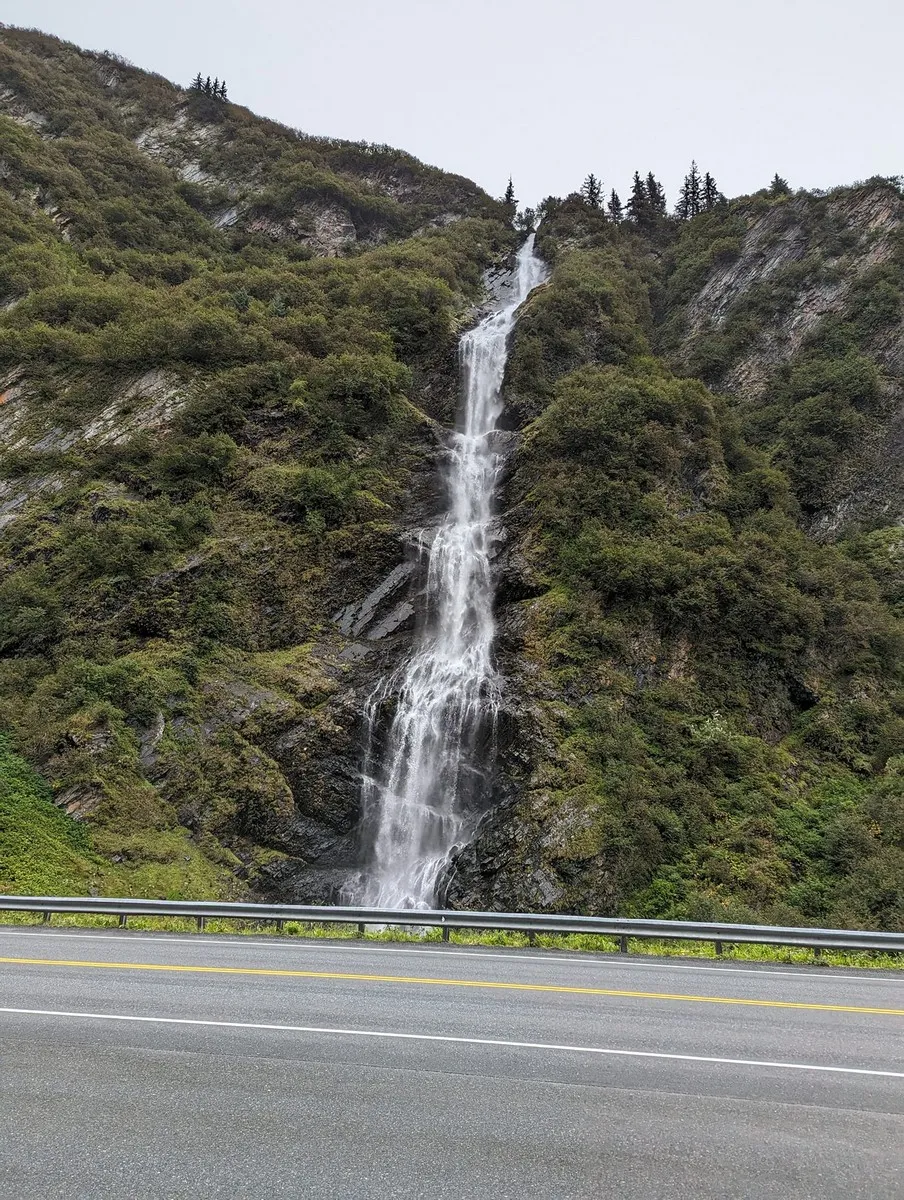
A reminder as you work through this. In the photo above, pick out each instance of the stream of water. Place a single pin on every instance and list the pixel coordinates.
(424, 784)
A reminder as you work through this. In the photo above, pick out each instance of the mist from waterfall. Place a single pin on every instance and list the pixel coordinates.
(425, 784)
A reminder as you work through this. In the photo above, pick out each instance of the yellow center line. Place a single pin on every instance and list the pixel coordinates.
(462, 983)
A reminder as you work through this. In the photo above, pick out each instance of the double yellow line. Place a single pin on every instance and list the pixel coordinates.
(457, 983)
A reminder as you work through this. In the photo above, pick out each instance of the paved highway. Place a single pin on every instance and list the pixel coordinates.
(152, 1066)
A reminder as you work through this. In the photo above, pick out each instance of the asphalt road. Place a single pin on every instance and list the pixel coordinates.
(152, 1066)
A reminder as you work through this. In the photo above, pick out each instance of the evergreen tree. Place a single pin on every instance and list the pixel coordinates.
(215, 90)
(207, 86)
(615, 207)
(690, 200)
(638, 206)
(241, 299)
(223, 90)
(197, 84)
(509, 201)
(656, 194)
(711, 196)
(592, 191)
(696, 189)
(779, 186)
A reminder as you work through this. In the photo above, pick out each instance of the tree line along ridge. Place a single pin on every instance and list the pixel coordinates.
(646, 204)
(217, 88)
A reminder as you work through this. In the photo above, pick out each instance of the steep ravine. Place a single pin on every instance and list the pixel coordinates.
(330, 843)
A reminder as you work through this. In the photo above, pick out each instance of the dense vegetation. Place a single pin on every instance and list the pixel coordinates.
(178, 555)
(721, 703)
(224, 346)
(817, 404)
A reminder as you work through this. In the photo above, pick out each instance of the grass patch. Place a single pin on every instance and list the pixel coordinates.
(575, 943)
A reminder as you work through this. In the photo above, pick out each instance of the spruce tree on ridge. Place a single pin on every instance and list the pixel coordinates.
(690, 199)
(711, 196)
(592, 190)
(638, 206)
(616, 212)
(656, 194)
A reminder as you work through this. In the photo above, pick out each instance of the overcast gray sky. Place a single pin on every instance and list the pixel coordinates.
(813, 89)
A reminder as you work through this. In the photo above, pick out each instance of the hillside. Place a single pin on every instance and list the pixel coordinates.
(211, 433)
(227, 357)
(705, 620)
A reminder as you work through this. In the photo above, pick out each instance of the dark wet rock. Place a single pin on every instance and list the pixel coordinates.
(355, 618)
(399, 617)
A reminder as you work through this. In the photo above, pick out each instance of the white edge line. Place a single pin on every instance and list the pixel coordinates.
(857, 975)
(448, 1038)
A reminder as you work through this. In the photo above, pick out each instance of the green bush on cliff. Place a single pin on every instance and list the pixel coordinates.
(818, 409)
(596, 313)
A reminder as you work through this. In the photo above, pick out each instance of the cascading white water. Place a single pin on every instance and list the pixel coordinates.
(420, 801)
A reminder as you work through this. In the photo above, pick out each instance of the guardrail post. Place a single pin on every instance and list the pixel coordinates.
(202, 921)
(623, 944)
(445, 933)
(718, 946)
(360, 932)
(123, 920)
(531, 938)
(45, 920)
(280, 926)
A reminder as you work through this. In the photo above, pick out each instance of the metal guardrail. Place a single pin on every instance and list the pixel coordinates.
(618, 928)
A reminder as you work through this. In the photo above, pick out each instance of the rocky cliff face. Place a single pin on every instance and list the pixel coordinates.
(804, 266)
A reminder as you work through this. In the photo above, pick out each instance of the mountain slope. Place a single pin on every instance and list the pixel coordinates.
(711, 719)
(811, 307)
(227, 357)
(128, 159)
(210, 438)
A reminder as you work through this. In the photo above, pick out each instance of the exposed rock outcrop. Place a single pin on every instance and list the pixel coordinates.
(815, 251)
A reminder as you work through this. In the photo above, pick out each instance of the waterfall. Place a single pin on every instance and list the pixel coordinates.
(425, 795)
